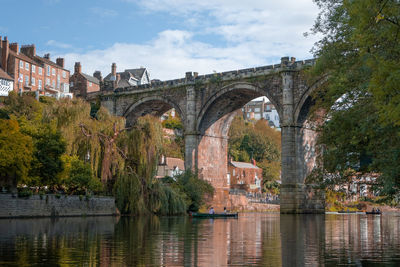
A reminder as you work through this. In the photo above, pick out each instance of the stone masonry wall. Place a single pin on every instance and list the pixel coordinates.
(50, 205)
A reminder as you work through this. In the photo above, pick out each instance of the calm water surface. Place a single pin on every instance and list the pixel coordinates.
(255, 239)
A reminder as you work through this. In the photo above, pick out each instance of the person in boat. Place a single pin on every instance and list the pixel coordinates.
(378, 210)
(373, 210)
(225, 211)
(211, 211)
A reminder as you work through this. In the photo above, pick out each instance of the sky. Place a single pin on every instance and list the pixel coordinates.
(168, 37)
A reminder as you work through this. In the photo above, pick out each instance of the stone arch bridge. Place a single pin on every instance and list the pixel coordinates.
(207, 105)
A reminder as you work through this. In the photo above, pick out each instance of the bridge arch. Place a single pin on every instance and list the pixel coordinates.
(227, 100)
(155, 105)
(302, 108)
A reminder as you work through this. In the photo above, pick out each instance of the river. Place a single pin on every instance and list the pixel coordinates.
(254, 239)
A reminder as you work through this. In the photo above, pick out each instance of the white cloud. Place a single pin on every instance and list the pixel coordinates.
(256, 33)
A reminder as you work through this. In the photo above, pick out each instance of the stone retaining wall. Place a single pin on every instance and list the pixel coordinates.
(54, 206)
(241, 203)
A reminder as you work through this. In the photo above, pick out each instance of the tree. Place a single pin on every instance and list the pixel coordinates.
(47, 163)
(79, 177)
(15, 153)
(360, 54)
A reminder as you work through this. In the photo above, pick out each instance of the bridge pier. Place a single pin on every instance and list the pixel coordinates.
(296, 196)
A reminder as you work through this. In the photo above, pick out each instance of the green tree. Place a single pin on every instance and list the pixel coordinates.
(360, 56)
(77, 176)
(15, 153)
(47, 163)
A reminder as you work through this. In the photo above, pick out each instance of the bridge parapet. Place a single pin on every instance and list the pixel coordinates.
(286, 64)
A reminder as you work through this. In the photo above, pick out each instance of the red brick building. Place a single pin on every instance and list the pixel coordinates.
(31, 72)
(81, 83)
(245, 176)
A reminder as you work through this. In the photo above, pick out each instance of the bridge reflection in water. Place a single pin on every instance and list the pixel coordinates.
(254, 239)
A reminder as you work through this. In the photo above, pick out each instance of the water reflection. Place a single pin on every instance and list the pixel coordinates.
(255, 239)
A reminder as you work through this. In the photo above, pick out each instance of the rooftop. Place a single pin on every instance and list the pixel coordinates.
(243, 165)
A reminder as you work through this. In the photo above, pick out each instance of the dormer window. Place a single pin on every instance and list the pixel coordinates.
(132, 81)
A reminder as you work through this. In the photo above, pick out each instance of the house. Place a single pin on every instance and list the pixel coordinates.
(360, 185)
(245, 176)
(6, 83)
(129, 77)
(261, 109)
(170, 167)
(31, 72)
(81, 83)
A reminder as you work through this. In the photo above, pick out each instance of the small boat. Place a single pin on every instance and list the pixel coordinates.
(215, 215)
(373, 212)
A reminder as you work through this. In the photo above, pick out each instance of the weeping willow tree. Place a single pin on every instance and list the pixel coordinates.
(137, 190)
(93, 140)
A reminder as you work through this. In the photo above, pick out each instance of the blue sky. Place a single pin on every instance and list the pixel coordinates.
(168, 37)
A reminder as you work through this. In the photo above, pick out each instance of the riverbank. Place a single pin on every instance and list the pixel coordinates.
(53, 205)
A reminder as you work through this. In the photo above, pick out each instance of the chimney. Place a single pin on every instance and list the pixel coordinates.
(78, 67)
(97, 74)
(47, 56)
(284, 61)
(14, 47)
(29, 50)
(60, 62)
(254, 162)
(114, 70)
(4, 53)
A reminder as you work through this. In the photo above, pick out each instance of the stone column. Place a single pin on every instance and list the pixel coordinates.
(191, 135)
(296, 197)
(291, 192)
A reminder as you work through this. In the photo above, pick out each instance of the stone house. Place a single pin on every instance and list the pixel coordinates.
(31, 72)
(170, 167)
(82, 83)
(129, 77)
(244, 176)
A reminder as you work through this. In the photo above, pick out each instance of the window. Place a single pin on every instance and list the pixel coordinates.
(33, 81)
(21, 78)
(72, 84)
(26, 80)
(64, 74)
(33, 68)
(58, 84)
(39, 84)
(53, 71)
(26, 65)
(47, 81)
(21, 64)
(48, 70)
(58, 77)
(40, 70)
(256, 109)
(249, 109)
(54, 84)
(90, 84)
